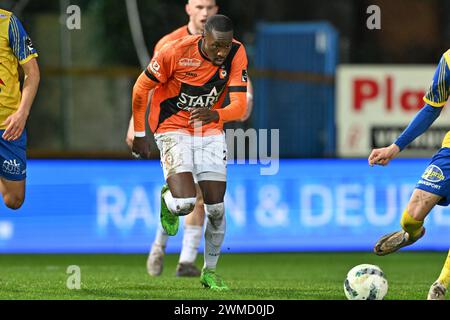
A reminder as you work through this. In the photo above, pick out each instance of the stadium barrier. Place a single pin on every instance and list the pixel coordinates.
(310, 205)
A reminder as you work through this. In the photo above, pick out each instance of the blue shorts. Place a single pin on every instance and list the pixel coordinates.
(436, 178)
(13, 158)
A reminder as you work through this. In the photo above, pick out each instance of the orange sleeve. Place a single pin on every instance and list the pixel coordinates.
(237, 87)
(141, 91)
(158, 71)
(236, 109)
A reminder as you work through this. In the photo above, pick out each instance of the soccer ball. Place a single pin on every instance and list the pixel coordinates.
(365, 282)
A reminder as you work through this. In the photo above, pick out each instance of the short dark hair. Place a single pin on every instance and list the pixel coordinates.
(219, 23)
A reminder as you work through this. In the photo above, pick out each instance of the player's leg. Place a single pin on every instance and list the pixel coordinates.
(191, 241)
(439, 288)
(210, 159)
(412, 221)
(13, 193)
(193, 231)
(178, 196)
(176, 160)
(155, 260)
(433, 188)
(13, 167)
(213, 192)
(177, 199)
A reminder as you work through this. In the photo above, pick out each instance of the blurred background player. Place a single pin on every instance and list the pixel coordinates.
(187, 118)
(434, 187)
(15, 48)
(198, 11)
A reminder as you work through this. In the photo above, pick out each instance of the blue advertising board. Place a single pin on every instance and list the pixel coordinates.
(310, 205)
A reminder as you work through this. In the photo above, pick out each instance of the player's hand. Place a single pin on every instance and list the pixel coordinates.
(383, 156)
(15, 124)
(203, 116)
(141, 148)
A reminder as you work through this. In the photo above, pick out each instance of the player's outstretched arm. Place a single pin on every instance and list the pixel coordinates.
(421, 122)
(17, 121)
(130, 133)
(141, 91)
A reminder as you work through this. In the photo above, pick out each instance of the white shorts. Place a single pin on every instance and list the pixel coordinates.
(205, 157)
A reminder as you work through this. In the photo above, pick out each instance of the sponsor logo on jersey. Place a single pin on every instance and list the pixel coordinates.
(433, 174)
(187, 62)
(185, 101)
(11, 167)
(191, 74)
(155, 67)
(2, 16)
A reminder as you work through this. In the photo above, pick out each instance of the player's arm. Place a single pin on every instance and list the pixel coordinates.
(435, 100)
(237, 88)
(249, 109)
(130, 133)
(141, 91)
(23, 49)
(159, 71)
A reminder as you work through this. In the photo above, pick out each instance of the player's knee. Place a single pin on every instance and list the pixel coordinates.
(13, 202)
(215, 211)
(184, 206)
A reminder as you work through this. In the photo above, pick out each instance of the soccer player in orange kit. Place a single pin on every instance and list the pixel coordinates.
(198, 11)
(191, 77)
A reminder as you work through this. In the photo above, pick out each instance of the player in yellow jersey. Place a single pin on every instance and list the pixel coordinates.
(16, 49)
(434, 186)
(198, 11)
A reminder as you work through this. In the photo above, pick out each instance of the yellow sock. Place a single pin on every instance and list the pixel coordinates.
(412, 226)
(444, 278)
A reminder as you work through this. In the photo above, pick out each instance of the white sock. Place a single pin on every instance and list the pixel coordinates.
(214, 234)
(161, 237)
(191, 241)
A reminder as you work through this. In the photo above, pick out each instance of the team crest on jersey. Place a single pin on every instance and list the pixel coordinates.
(433, 174)
(223, 73)
(187, 62)
(2, 83)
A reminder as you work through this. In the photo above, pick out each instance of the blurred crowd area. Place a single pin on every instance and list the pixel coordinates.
(83, 106)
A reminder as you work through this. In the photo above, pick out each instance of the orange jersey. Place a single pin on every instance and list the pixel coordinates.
(177, 34)
(186, 79)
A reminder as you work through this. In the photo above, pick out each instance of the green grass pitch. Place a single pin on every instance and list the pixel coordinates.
(290, 276)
